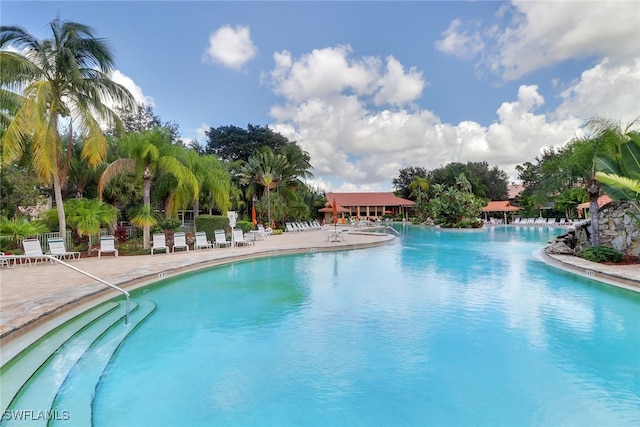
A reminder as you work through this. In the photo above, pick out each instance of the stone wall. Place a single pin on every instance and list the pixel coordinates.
(618, 229)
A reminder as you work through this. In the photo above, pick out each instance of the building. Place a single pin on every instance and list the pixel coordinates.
(367, 205)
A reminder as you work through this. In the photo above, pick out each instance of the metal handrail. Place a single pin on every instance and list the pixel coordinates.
(126, 294)
(394, 230)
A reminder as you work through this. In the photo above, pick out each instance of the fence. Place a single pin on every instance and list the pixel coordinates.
(68, 241)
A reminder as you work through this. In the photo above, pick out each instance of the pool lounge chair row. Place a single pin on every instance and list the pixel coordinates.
(539, 221)
(303, 226)
(33, 253)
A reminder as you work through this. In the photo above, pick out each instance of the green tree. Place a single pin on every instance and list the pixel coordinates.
(620, 175)
(269, 170)
(604, 141)
(232, 143)
(405, 177)
(62, 77)
(456, 206)
(148, 154)
(215, 182)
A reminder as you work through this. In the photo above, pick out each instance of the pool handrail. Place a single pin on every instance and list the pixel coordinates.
(117, 288)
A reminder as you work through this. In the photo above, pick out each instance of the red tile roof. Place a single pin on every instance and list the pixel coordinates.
(368, 199)
(500, 206)
(602, 200)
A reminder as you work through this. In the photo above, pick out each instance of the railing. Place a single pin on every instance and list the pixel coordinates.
(117, 288)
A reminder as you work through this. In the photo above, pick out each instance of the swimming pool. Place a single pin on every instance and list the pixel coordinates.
(443, 328)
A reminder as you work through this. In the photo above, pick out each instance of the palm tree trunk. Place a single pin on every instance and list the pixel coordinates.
(62, 220)
(593, 190)
(146, 199)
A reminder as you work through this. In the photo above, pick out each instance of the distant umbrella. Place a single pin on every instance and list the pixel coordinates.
(335, 214)
(253, 216)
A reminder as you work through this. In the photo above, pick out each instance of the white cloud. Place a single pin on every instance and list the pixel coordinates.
(604, 90)
(126, 81)
(231, 47)
(357, 148)
(544, 33)
(460, 43)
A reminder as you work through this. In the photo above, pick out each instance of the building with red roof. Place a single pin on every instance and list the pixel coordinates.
(367, 205)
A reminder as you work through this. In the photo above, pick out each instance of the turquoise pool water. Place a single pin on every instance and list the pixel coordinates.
(443, 328)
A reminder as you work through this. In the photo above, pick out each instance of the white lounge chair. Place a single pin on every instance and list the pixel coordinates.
(107, 244)
(58, 250)
(220, 239)
(345, 234)
(159, 243)
(201, 241)
(238, 238)
(264, 232)
(180, 241)
(33, 251)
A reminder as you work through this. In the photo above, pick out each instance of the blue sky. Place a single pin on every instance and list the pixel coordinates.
(368, 88)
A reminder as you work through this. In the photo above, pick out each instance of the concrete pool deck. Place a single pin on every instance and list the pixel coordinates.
(31, 297)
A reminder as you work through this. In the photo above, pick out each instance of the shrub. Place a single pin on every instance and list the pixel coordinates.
(133, 247)
(121, 233)
(600, 254)
(210, 223)
(170, 224)
(245, 226)
(276, 231)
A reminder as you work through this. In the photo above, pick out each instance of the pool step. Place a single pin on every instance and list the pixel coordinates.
(78, 391)
(37, 375)
(15, 373)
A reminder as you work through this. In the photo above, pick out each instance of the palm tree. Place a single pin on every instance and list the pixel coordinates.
(621, 176)
(148, 154)
(214, 179)
(605, 141)
(267, 169)
(62, 77)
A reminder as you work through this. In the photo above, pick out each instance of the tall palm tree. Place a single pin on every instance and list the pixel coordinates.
(268, 170)
(214, 180)
(65, 77)
(148, 154)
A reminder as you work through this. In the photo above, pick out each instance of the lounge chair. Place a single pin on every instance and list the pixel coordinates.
(238, 238)
(107, 244)
(345, 234)
(201, 241)
(33, 251)
(159, 243)
(264, 232)
(220, 239)
(562, 221)
(180, 241)
(58, 250)
(290, 227)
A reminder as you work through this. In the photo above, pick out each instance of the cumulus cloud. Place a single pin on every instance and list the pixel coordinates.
(541, 34)
(231, 47)
(360, 118)
(126, 81)
(604, 90)
(356, 147)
